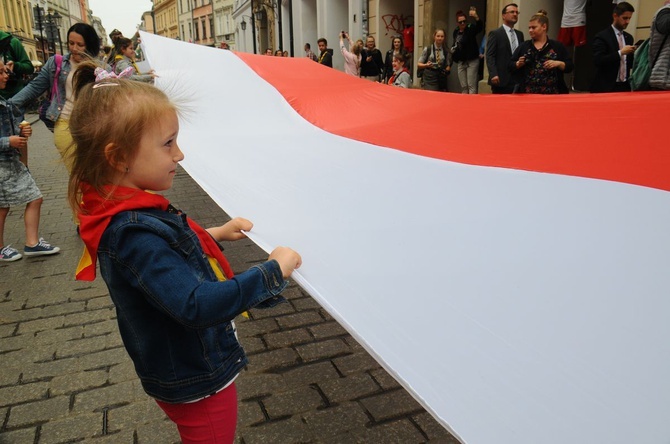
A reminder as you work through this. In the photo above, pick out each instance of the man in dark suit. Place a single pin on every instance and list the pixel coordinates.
(613, 53)
(500, 44)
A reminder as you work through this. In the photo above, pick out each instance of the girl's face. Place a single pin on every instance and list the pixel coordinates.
(370, 43)
(4, 75)
(536, 30)
(396, 43)
(129, 52)
(439, 38)
(76, 46)
(397, 65)
(155, 162)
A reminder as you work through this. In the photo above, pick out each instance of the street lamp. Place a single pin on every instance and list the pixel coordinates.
(243, 25)
(53, 22)
(37, 12)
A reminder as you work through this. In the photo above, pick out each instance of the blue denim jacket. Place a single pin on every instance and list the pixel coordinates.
(173, 314)
(9, 126)
(42, 83)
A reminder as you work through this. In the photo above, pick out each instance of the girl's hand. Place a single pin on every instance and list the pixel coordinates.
(231, 230)
(18, 142)
(26, 129)
(288, 260)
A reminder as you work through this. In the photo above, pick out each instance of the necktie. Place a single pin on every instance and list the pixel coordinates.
(622, 63)
(515, 42)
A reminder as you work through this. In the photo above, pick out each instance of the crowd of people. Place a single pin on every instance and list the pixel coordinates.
(515, 65)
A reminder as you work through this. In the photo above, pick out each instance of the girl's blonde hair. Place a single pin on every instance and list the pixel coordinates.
(111, 111)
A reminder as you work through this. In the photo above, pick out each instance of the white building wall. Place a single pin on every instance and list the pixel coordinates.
(243, 38)
(332, 19)
(305, 26)
(185, 19)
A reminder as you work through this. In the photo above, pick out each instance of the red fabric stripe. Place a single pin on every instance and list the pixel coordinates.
(618, 137)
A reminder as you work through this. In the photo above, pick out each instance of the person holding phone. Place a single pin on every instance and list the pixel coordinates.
(613, 51)
(465, 49)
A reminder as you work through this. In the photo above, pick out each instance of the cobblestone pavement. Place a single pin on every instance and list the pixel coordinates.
(65, 376)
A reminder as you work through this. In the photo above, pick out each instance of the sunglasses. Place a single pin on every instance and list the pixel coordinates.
(460, 22)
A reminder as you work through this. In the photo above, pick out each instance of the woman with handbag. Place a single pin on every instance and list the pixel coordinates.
(56, 79)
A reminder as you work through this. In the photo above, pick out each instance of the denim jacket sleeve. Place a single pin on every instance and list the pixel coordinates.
(170, 282)
(7, 128)
(4, 145)
(37, 86)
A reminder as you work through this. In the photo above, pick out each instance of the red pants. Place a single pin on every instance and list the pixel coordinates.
(210, 420)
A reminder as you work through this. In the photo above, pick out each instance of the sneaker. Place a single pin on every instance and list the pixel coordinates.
(42, 248)
(9, 254)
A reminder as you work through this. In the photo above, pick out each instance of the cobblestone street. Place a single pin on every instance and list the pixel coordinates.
(65, 376)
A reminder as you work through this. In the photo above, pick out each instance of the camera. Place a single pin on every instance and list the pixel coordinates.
(344, 35)
(528, 57)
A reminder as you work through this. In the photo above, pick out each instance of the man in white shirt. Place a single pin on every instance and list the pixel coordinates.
(613, 53)
(573, 23)
(500, 45)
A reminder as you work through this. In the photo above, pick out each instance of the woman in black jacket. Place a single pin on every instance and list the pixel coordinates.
(372, 65)
(397, 47)
(541, 61)
(465, 50)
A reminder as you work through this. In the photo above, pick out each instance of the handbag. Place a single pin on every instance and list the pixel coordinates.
(53, 99)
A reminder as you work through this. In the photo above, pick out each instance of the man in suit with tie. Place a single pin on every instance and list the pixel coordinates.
(500, 45)
(613, 53)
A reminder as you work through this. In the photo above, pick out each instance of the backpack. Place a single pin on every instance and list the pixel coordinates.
(53, 99)
(7, 54)
(641, 73)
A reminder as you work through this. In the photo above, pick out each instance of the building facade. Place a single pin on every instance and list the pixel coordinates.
(224, 24)
(16, 19)
(203, 22)
(166, 21)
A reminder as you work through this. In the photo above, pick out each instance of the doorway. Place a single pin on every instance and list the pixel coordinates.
(598, 17)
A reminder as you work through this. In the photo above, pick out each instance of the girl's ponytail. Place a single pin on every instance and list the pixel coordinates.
(84, 75)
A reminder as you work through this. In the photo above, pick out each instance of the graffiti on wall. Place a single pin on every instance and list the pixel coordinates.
(394, 23)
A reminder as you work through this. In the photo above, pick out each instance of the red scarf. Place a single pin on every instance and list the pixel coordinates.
(98, 212)
(392, 79)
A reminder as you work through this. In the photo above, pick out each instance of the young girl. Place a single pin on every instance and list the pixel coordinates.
(400, 77)
(17, 186)
(125, 58)
(173, 289)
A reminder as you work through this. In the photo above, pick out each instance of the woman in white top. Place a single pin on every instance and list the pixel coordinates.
(352, 56)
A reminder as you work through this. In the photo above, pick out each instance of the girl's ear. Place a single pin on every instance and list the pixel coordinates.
(114, 159)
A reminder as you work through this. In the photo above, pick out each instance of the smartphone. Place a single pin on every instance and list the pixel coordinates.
(639, 42)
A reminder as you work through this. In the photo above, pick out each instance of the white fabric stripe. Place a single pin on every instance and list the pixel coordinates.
(515, 306)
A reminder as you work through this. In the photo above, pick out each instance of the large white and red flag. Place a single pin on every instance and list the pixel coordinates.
(504, 257)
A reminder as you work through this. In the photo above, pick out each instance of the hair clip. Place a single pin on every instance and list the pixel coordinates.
(99, 85)
(101, 74)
